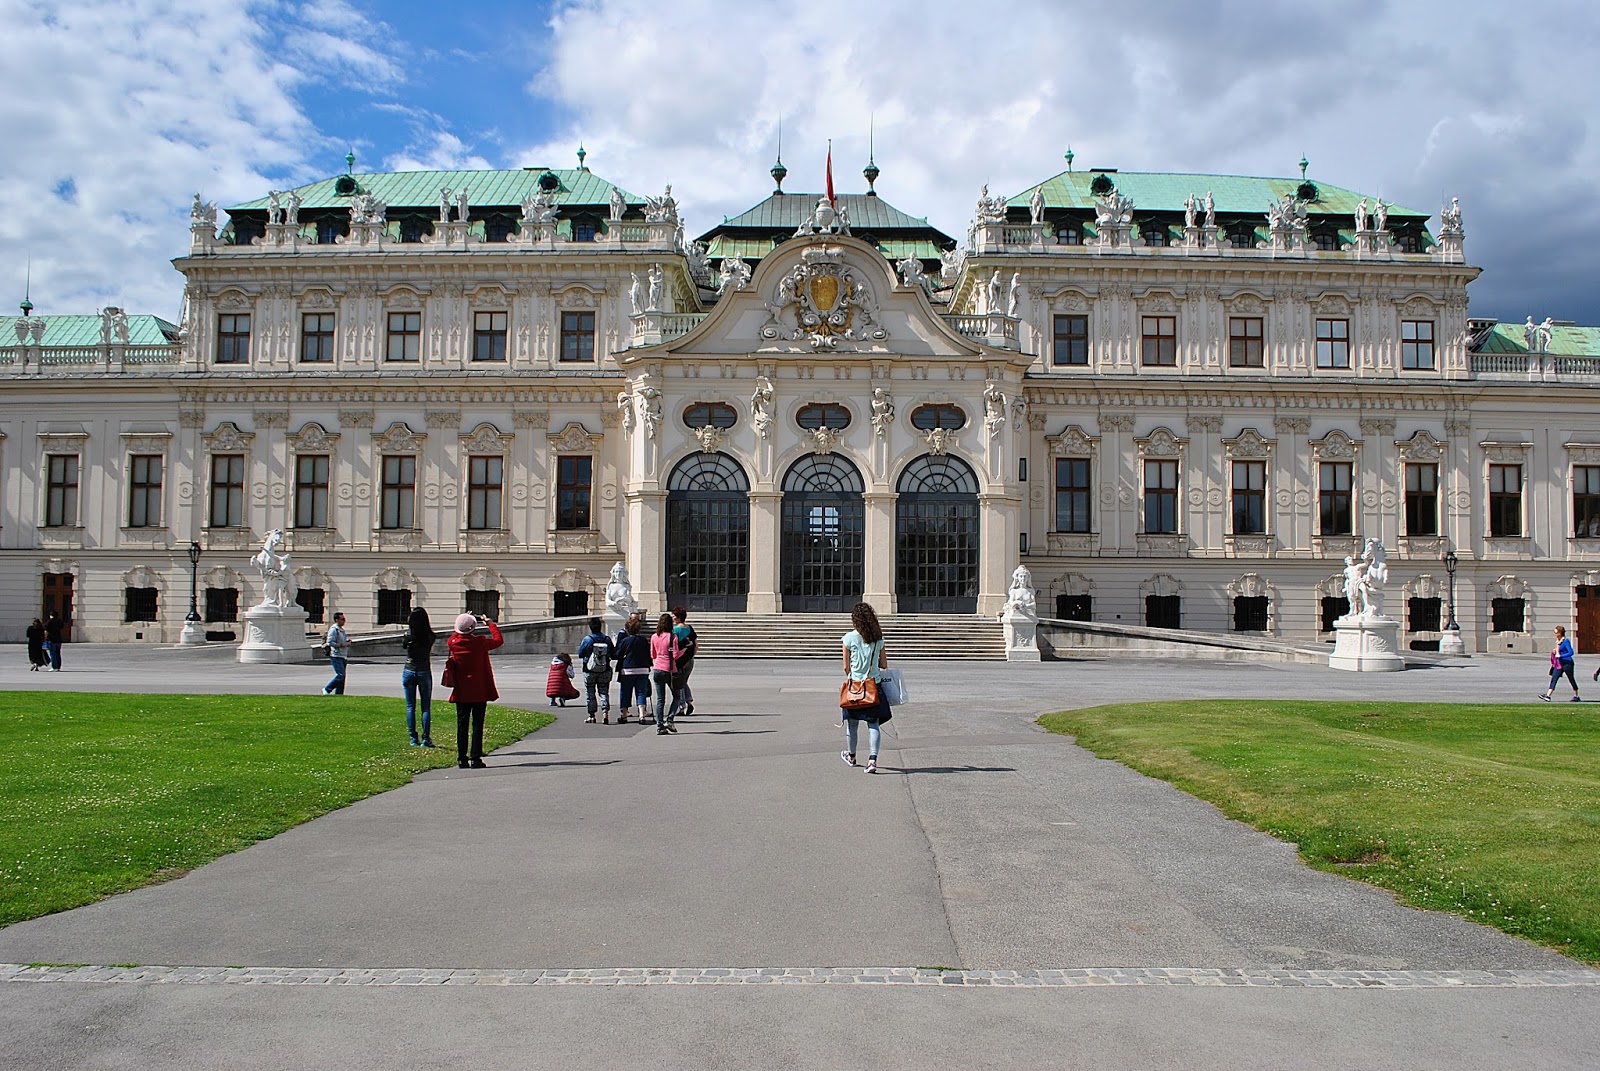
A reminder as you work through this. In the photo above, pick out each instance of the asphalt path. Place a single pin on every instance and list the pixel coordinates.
(744, 842)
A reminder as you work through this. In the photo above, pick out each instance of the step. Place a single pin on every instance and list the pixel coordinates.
(816, 636)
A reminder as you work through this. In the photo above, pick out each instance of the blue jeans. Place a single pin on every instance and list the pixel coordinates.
(335, 686)
(631, 685)
(597, 687)
(874, 735)
(662, 679)
(53, 649)
(414, 681)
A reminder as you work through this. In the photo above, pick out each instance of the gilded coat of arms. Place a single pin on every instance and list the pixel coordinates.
(826, 302)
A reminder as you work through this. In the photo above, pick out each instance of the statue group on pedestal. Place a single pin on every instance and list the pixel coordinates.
(1364, 580)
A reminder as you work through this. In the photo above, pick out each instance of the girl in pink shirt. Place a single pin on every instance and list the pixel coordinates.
(664, 654)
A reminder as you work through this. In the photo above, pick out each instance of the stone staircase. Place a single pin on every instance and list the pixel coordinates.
(816, 636)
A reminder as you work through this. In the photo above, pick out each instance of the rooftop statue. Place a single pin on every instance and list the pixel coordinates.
(663, 209)
(1036, 206)
(539, 209)
(1113, 210)
(274, 208)
(291, 209)
(735, 275)
(203, 212)
(461, 204)
(1381, 215)
(1450, 218)
(1190, 208)
(1211, 210)
(619, 204)
(1547, 334)
(1361, 214)
(911, 273)
(656, 282)
(444, 204)
(990, 209)
(1530, 335)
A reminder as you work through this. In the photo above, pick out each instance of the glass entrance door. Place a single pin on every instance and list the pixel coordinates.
(708, 534)
(936, 537)
(823, 551)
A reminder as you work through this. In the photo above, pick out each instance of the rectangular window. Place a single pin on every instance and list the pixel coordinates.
(1416, 343)
(233, 338)
(1160, 338)
(1422, 500)
(1073, 494)
(574, 477)
(144, 491)
(311, 491)
(489, 336)
(61, 500)
(1071, 341)
(404, 342)
(577, 336)
(316, 338)
(1245, 342)
(484, 485)
(1424, 615)
(222, 604)
(399, 491)
(1250, 613)
(1507, 615)
(1333, 608)
(1163, 611)
(227, 491)
(486, 603)
(1333, 343)
(1160, 497)
(1333, 501)
(138, 604)
(1586, 501)
(1075, 607)
(1505, 500)
(1249, 497)
(312, 601)
(394, 606)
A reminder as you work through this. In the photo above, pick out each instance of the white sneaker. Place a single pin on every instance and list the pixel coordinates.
(849, 759)
(872, 765)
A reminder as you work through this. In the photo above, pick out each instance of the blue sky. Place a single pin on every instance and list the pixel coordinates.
(140, 103)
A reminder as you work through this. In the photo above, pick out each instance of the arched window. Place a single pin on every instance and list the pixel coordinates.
(710, 415)
(938, 474)
(708, 472)
(938, 415)
(823, 474)
(823, 415)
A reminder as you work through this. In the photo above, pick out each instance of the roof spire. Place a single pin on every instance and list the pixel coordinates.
(871, 171)
(350, 161)
(27, 287)
(1304, 163)
(778, 170)
(1069, 157)
(581, 155)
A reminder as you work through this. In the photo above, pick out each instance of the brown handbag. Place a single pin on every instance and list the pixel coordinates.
(857, 695)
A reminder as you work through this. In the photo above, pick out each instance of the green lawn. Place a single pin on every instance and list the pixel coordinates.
(1492, 812)
(104, 793)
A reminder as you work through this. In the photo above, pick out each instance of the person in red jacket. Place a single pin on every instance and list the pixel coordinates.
(472, 679)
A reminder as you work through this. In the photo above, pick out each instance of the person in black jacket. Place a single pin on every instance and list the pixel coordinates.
(53, 627)
(417, 677)
(633, 667)
(36, 655)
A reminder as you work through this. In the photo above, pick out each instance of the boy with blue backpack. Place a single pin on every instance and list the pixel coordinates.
(598, 655)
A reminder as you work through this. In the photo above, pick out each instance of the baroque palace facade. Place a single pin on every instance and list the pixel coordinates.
(1181, 400)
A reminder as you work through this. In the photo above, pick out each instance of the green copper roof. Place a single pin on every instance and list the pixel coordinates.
(785, 211)
(66, 331)
(420, 189)
(1565, 340)
(726, 245)
(1157, 191)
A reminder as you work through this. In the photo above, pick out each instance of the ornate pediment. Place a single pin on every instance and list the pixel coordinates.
(826, 301)
(1073, 442)
(1513, 453)
(1584, 453)
(312, 436)
(1250, 586)
(395, 578)
(1158, 303)
(1332, 305)
(1335, 446)
(399, 439)
(1420, 447)
(227, 438)
(1419, 308)
(486, 439)
(1249, 443)
(317, 298)
(1246, 305)
(402, 298)
(1160, 443)
(575, 439)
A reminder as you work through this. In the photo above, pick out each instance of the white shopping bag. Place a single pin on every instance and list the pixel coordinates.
(893, 686)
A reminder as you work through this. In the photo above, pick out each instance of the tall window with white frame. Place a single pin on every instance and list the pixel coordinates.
(144, 491)
(398, 495)
(485, 485)
(1422, 499)
(227, 491)
(1073, 495)
(574, 484)
(404, 340)
(489, 336)
(1249, 497)
(1333, 499)
(316, 338)
(1416, 344)
(1071, 341)
(1161, 497)
(1246, 347)
(1159, 341)
(61, 491)
(1333, 343)
(1586, 502)
(1505, 500)
(311, 491)
(577, 337)
(233, 338)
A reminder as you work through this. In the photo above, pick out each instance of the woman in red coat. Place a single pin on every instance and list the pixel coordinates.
(472, 679)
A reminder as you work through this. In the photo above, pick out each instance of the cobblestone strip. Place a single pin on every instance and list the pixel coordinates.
(1035, 979)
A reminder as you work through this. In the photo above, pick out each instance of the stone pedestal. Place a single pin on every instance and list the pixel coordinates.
(1451, 643)
(1022, 639)
(1367, 645)
(274, 634)
(194, 633)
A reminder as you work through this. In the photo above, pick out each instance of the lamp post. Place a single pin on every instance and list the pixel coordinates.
(193, 632)
(1450, 642)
